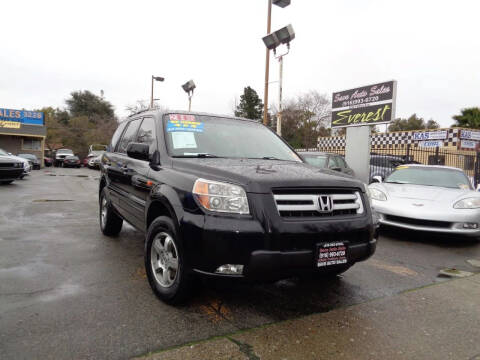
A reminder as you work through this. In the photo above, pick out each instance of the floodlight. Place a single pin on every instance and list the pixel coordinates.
(285, 34)
(158, 78)
(188, 86)
(271, 41)
(281, 3)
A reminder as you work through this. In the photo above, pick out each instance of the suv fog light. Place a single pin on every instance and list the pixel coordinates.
(470, 225)
(230, 269)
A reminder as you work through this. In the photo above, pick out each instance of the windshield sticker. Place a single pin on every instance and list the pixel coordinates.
(464, 186)
(184, 123)
(184, 140)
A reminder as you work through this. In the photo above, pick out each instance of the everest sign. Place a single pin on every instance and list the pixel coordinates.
(367, 105)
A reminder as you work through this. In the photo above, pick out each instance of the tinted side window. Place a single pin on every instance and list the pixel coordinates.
(116, 136)
(146, 134)
(128, 136)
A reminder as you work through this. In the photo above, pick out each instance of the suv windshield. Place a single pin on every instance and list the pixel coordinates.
(207, 136)
(448, 178)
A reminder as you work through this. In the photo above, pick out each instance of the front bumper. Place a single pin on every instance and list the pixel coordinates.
(271, 248)
(429, 220)
(10, 174)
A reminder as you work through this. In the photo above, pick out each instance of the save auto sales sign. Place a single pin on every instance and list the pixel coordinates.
(367, 105)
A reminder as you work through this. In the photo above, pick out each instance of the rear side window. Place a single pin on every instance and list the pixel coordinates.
(128, 136)
(116, 136)
(146, 134)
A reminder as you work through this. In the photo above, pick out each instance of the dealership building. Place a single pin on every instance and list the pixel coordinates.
(23, 131)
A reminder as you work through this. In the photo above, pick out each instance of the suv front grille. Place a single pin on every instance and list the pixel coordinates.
(322, 203)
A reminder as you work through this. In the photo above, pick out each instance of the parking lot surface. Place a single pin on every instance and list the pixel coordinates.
(66, 291)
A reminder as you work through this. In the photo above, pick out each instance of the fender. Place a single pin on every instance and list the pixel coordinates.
(168, 197)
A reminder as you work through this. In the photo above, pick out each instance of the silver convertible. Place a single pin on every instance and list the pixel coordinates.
(427, 198)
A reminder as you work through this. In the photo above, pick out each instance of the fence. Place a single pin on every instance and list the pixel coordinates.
(468, 161)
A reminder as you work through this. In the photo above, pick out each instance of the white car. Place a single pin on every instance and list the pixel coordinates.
(428, 198)
(60, 155)
(27, 168)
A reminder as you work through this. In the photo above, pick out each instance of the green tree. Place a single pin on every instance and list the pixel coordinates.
(85, 103)
(250, 107)
(412, 123)
(469, 118)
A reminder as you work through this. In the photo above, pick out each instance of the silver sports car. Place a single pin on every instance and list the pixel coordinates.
(428, 198)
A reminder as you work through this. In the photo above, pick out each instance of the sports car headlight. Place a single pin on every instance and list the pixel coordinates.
(377, 194)
(221, 197)
(468, 203)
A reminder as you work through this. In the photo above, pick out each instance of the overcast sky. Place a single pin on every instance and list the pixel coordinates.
(50, 48)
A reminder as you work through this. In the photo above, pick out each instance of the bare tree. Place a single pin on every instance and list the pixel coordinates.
(142, 105)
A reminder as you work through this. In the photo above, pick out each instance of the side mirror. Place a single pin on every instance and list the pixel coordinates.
(138, 151)
(377, 179)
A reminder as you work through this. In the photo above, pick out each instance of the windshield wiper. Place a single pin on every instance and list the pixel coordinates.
(201, 155)
(267, 158)
(396, 182)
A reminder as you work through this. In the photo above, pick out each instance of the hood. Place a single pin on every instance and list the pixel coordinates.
(260, 176)
(429, 194)
(7, 158)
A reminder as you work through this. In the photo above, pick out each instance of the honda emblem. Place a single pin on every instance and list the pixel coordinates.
(325, 203)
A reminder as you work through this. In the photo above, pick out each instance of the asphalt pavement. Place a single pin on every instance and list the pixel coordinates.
(68, 292)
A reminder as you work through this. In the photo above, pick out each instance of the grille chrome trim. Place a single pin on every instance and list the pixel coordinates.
(310, 203)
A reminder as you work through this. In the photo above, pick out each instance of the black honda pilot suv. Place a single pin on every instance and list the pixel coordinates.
(226, 197)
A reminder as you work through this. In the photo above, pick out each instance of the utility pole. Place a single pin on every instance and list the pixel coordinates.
(267, 66)
(280, 79)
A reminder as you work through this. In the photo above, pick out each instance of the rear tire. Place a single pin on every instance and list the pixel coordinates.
(110, 222)
(165, 264)
(6, 182)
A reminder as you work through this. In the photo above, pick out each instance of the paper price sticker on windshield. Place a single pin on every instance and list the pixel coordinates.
(185, 123)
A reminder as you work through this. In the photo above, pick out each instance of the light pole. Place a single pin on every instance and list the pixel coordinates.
(154, 78)
(282, 4)
(272, 41)
(188, 87)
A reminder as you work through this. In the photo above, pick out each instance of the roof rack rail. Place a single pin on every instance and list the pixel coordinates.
(140, 111)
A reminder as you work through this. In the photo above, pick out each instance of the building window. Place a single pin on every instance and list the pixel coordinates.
(31, 144)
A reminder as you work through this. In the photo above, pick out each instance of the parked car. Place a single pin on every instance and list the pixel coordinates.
(383, 165)
(72, 161)
(32, 159)
(10, 168)
(429, 198)
(226, 197)
(26, 164)
(94, 162)
(327, 161)
(60, 155)
(48, 161)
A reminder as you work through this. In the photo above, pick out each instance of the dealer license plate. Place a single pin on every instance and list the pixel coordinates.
(332, 253)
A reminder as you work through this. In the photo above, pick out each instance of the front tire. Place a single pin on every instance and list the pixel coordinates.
(110, 222)
(165, 264)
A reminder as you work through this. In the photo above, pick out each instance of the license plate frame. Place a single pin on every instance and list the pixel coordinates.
(331, 253)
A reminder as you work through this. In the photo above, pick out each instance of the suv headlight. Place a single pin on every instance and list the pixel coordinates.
(221, 197)
(468, 203)
(376, 194)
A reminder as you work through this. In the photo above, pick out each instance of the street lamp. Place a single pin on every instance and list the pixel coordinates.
(154, 78)
(188, 87)
(282, 4)
(272, 41)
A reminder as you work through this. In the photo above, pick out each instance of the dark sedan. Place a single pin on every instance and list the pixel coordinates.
(328, 161)
(32, 159)
(71, 161)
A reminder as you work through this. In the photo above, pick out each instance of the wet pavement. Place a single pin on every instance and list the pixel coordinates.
(66, 291)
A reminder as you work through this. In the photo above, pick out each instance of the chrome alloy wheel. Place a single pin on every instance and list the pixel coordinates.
(103, 212)
(164, 259)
